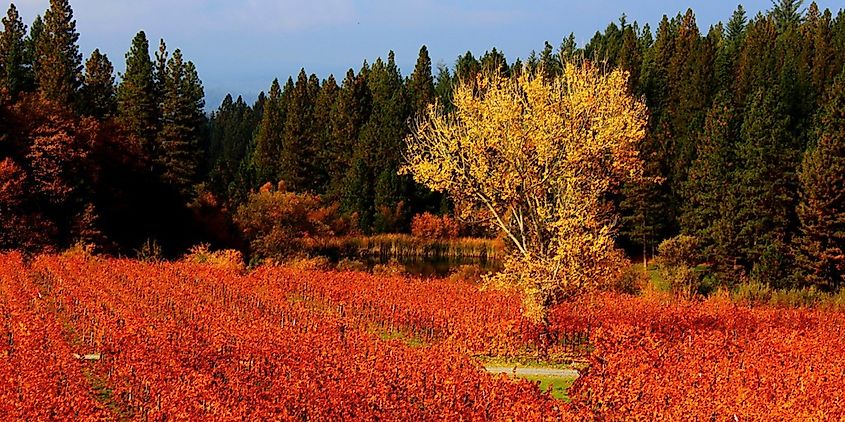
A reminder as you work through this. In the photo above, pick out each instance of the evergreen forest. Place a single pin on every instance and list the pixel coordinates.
(744, 155)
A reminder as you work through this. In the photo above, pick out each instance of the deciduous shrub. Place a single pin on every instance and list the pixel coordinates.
(308, 263)
(467, 272)
(676, 258)
(430, 226)
(631, 281)
(227, 258)
(277, 222)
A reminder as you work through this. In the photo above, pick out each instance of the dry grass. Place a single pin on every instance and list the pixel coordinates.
(407, 246)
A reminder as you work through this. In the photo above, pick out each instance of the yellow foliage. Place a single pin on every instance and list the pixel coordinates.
(226, 258)
(315, 263)
(539, 157)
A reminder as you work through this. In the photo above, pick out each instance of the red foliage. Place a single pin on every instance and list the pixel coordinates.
(430, 226)
(45, 173)
(713, 360)
(187, 341)
(190, 341)
(277, 223)
(41, 380)
(12, 188)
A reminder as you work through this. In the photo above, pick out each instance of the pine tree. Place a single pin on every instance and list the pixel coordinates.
(818, 51)
(726, 58)
(137, 107)
(351, 112)
(258, 106)
(231, 130)
(324, 107)
(516, 68)
(532, 62)
(31, 49)
(795, 80)
(244, 178)
(467, 67)
(765, 188)
(59, 68)
(787, 13)
(159, 71)
(650, 209)
(821, 245)
(380, 144)
(297, 153)
(443, 86)
(97, 95)
(645, 39)
(689, 82)
(14, 71)
(220, 124)
(630, 56)
(268, 140)
(550, 62)
(735, 29)
(182, 123)
(568, 47)
(494, 61)
(707, 205)
(677, 80)
(358, 193)
(654, 79)
(756, 65)
(837, 37)
(421, 83)
(421, 94)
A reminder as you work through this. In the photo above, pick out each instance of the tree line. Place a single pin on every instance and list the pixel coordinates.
(86, 159)
(743, 151)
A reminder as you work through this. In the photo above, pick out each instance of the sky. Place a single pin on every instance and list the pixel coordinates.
(240, 46)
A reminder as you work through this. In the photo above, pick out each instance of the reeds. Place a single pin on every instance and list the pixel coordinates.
(407, 247)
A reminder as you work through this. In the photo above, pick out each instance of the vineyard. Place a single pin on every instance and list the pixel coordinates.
(88, 338)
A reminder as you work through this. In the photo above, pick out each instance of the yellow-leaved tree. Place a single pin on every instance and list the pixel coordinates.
(539, 158)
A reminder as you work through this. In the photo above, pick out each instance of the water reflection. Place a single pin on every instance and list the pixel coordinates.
(422, 267)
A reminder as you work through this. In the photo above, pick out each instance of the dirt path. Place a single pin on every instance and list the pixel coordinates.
(529, 371)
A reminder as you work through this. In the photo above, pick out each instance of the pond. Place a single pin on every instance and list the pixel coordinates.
(430, 267)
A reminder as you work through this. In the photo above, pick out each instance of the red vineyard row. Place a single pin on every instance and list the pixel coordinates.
(186, 341)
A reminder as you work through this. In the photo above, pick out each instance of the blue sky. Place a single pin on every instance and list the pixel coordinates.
(240, 46)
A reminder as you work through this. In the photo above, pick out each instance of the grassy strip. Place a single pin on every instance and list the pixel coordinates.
(100, 389)
(559, 385)
(559, 362)
(409, 340)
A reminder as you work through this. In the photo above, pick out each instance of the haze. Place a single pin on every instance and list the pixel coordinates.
(239, 47)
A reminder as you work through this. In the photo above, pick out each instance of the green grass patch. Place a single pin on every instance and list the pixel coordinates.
(657, 281)
(559, 385)
(530, 362)
(104, 394)
(408, 339)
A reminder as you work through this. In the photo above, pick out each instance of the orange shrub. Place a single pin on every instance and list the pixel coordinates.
(277, 223)
(430, 226)
(227, 258)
